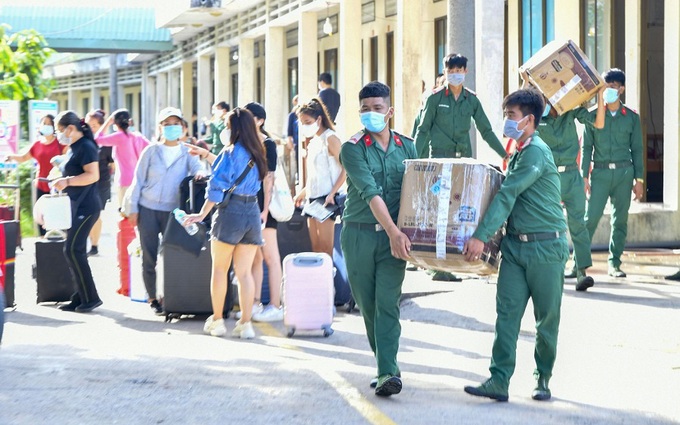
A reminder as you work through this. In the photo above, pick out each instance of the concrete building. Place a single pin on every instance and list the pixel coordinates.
(270, 50)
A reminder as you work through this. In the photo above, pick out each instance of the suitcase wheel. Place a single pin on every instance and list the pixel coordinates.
(327, 331)
(351, 305)
(290, 332)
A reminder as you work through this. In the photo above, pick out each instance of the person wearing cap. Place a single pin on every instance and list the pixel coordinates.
(154, 192)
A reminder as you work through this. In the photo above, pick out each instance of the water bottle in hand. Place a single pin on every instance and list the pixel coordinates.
(180, 216)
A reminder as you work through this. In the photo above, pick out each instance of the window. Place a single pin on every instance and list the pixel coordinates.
(368, 12)
(256, 49)
(129, 103)
(234, 89)
(390, 7)
(538, 26)
(319, 26)
(86, 105)
(597, 28)
(292, 37)
(373, 51)
(101, 102)
(330, 64)
(440, 39)
(258, 85)
(292, 79)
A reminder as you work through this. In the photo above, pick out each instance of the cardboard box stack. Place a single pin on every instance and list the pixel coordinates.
(563, 73)
(442, 203)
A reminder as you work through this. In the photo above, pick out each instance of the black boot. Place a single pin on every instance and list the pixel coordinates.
(675, 276)
(541, 392)
(583, 281)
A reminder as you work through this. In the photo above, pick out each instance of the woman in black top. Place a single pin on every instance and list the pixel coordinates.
(81, 174)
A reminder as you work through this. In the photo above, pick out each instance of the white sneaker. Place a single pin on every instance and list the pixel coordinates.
(214, 327)
(257, 308)
(269, 314)
(243, 330)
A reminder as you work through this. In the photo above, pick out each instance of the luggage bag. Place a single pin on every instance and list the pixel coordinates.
(53, 276)
(9, 231)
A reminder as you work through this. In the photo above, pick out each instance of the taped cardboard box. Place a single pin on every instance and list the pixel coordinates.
(442, 203)
(563, 73)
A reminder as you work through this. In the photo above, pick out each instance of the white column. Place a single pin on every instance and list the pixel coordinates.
(407, 90)
(72, 100)
(246, 71)
(222, 76)
(671, 124)
(567, 20)
(349, 69)
(161, 91)
(461, 29)
(514, 59)
(186, 89)
(490, 45)
(173, 88)
(95, 94)
(148, 103)
(633, 36)
(275, 80)
(205, 88)
(308, 72)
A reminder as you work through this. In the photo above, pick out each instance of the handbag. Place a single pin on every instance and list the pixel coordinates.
(55, 210)
(230, 191)
(281, 206)
(176, 235)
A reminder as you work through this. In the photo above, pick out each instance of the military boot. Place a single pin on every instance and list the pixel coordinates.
(491, 388)
(583, 281)
(541, 392)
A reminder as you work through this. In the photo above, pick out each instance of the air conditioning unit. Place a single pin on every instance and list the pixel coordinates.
(206, 3)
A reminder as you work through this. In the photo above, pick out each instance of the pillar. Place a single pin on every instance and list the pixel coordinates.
(186, 89)
(148, 113)
(671, 124)
(407, 90)
(222, 76)
(72, 100)
(95, 95)
(349, 69)
(246, 71)
(633, 36)
(275, 73)
(490, 46)
(161, 91)
(514, 59)
(113, 82)
(174, 88)
(567, 15)
(205, 89)
(308, 73)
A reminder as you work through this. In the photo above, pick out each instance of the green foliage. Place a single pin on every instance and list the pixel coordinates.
(22, 58)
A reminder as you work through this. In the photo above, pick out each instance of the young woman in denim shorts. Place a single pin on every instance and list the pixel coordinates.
(236, 228)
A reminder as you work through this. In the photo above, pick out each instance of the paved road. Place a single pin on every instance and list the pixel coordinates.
(618, 360)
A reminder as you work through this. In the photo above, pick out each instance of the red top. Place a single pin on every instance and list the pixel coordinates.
(43, 153)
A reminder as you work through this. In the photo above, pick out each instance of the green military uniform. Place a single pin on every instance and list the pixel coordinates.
(216, 128)
(616, 153)
(559, 133)
(534, 253)
(375, 276)
(444, 129)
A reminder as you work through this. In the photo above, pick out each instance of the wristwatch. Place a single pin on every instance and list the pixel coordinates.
(640, 180)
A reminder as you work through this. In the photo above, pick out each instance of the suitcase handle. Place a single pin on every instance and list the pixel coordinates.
(307, 261)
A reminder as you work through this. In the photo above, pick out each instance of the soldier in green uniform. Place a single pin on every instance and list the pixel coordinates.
(219, 111)
(444, 129)
(375, 249)
(616, 153)
(559, 133)
(534, 250)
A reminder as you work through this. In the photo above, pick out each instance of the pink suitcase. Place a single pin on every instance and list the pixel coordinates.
(308, 292)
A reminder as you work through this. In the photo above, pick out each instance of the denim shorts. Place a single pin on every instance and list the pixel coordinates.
(237, 223)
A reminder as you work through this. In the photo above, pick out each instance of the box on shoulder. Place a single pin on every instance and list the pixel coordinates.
(442, 203)
(564, 74)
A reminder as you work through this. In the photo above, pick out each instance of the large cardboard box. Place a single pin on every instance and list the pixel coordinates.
(563, 73)
(442, 203)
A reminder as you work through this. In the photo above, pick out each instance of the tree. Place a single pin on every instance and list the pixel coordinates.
(22, 57)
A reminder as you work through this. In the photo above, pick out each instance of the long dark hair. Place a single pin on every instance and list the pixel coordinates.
(67, 118)
(315, 108)
(97, 114)
(122, 120)
(242, 125)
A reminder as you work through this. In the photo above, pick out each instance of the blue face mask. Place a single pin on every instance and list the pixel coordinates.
(46, 130)
(610, 95)
(373, 121)
(546, 111)
(510, 129)
(172, 132)
(455, 79)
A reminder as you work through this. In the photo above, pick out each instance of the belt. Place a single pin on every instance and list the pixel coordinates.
(565, 168)
(612, 165)
(377, 227)
(244, 198)
(532, 237)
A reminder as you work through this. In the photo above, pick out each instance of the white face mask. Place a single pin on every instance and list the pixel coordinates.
(309, 130)
(62, 139)
(225, 137)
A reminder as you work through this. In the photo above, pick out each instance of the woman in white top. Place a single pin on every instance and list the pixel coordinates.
(325, 176)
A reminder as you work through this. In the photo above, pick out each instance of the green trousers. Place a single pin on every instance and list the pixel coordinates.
(528, 270)
(375, 277)
(574, 198)
(616, 185)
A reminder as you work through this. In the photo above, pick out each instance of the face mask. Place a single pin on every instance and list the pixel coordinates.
(309, 130)
(62, 139)
(510, 129)
(373, 121)
(172, 132)
(546, 111)
(46, 130)
(225, 137)
(214, 111)
(455, 79)
(131, 129)
(610, 95)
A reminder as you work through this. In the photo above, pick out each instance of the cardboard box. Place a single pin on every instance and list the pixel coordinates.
(442, 203)
(563, 73)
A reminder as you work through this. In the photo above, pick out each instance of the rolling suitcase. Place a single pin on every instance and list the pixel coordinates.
(136, 288)
(125, 235)
(343, 293)
(192, 197)
(308, 292)
(9, 231)
(52, 274)
(293, 235)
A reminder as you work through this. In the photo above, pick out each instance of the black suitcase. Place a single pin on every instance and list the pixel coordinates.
(186, 283)
(293, 236)
(192, 197)
(53, 275)
(8, 245)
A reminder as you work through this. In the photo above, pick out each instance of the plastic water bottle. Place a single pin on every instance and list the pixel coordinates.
(180, 216)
